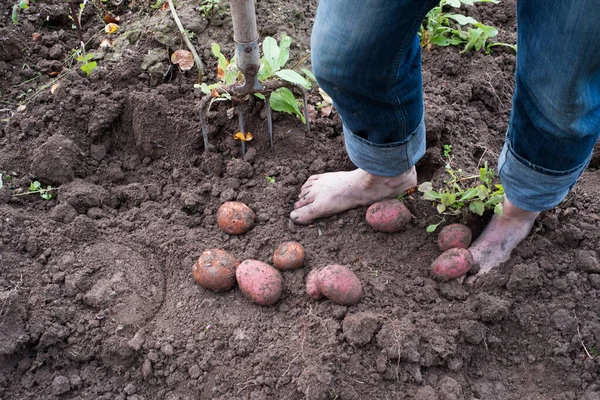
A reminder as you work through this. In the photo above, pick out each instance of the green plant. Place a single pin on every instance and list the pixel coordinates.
(17, 8)
(594, 351)
(442, 28)
(36, 187)
(464, 193)
(87, 65)
(270, 179)
(275, 57)
(447, 150)
(208, 7)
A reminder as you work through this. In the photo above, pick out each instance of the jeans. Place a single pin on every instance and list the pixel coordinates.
(366, 56)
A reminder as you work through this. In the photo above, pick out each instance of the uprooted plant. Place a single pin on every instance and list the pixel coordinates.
(447, 28)
(463, 193)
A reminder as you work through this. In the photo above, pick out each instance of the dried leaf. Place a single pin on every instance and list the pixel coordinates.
(109, 19)
(220, 72)
(214, 93)
(243, 137)
(326, 111)
(111, 28)
(183, 58)
(53, 73)
(106, 43)
(22, 108)
(54, 87)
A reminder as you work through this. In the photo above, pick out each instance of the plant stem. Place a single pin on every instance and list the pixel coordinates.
(73, 5)
(189, 44)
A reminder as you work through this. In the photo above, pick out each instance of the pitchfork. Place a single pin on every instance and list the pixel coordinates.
(245, 35)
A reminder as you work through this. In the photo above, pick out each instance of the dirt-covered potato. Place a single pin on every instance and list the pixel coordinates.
(288, 255)
(260, 282)
(454, 236)
(388, 216)
(215, 270)
(235, 218)
(339, 284)
(452, 264)
(311, 285)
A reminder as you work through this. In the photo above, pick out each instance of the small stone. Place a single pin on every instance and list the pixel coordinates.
(130, 389)
(167, 349)
(194, 371)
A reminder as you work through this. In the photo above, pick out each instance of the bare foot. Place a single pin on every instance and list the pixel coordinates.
(500, 237)
(334, 192)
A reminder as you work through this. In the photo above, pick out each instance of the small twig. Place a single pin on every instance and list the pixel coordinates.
(299, 353)
(189, 44)
(77, 22)
(581, 341)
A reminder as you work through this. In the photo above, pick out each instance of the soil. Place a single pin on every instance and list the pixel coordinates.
(97, 299)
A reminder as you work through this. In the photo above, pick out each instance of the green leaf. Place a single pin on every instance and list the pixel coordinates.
(462, 19)
(293, 77)
(260, 96)
(284, 52)
(432, 228)
(498, 209)
(309, 74)
(453, 3)
(425, 187)
(24, 4)
(35, 185)
(468, 194)
(204, 87)
(441, 208)
(477, 207)
(283, 100)
(216, 50)
(448, 199)
(271, 52)
(89, 67)
(158, 4)
(482, 192)
(432, 195)
(15, 14)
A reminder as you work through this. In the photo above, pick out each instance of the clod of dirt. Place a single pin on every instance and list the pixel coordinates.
(83, 195)
(315, 383)
(9, 45)
(492, 309)
(12, 328)
(359, 328)
(57, 161)
(426, 393)
(449, 389)
(473, 332)
(587, 260)
(524, 277)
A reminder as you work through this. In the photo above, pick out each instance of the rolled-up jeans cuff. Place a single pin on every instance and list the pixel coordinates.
(531, 187)
(390, 159)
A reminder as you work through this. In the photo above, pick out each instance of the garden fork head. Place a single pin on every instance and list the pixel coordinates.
(245, 35)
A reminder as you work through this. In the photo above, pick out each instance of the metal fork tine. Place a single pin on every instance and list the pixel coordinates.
(269, 119)
(306, 117)
(241, 121)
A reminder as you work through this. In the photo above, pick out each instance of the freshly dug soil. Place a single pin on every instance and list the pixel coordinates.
(97, 298)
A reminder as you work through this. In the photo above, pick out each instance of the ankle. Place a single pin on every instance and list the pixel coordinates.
(510, 210)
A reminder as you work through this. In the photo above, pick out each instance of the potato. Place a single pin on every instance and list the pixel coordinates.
(259, 282)
(215, 270)
(311, 285)
(388, 216)
(289, 255)
(235, 218)
(339, 284)
(452, 264)
(454, 236)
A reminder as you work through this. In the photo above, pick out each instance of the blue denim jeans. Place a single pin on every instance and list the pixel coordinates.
(366, 56)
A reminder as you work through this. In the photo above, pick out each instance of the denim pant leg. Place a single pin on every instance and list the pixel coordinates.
(555, 119)
(366, 56)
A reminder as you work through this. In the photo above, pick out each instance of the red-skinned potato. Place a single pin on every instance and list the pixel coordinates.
(288, 255)
(259, 282)
(452, 264)
(388, 216)
(235, 218)
(215, 270)
(454, 236)
(339, 284)
(311, 285)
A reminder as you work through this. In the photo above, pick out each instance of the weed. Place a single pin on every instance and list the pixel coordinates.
(208, 7)
(275, 57)
(87, 65)
(442, 28)
(464, 193)
(270, 179)
(447, 150)
(36, 187)
(17, 8)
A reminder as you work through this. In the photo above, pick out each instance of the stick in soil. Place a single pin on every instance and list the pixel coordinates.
(269, 119)
(189, 44)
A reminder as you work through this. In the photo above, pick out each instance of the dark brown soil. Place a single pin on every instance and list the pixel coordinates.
(97, 298)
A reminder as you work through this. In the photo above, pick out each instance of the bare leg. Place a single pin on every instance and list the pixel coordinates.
(502, 235)
(334, 192)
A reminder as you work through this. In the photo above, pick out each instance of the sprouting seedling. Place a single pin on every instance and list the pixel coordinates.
(17, 8)
(208, 7)
(447, 150)
(270, 179)
(87, 65)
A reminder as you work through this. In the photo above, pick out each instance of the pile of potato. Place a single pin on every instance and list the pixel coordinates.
(260, 282)
(455, 260)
